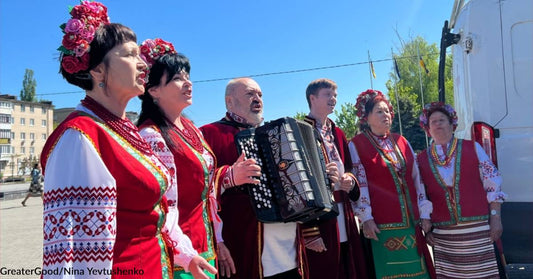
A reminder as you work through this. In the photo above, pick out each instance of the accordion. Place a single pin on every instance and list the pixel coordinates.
(294, 186)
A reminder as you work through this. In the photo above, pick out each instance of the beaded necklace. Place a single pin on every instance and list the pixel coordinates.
(123, 127)
(385, 152)
(449, 154)
(189, 135)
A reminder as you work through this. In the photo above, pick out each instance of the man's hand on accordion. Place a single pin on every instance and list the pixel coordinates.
(347, 183)
(333, 173)
(245, 171)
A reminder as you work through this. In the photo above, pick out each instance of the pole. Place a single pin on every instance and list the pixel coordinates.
(421, 87)
(370, 70)
(397, 96)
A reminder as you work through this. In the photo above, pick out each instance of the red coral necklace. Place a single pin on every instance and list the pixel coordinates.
(189, 135)
(124, 127)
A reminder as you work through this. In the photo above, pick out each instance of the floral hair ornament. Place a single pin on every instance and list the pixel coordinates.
(79, 33)
(369, 96)
(151, 50)
(437, 106)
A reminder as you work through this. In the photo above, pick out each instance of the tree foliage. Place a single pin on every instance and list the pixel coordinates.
(300, 115)
(29, 85)
(347, 119)
(413, 81)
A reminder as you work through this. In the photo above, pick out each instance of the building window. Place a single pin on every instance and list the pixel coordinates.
(32, 136)
(32, 121)
(12, 150)
(22, 121)
(43, 136)
(5, 134)
(22, 149)
(32, 150)
(22, 108)
(12, 135)
(22, 135)
(4, 149)
(6, 105)
(12, 120)
(32, 109)
(43, 110)
(5, 118)
(43, 123)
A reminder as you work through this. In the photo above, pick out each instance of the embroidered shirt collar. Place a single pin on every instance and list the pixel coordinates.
(238, 119)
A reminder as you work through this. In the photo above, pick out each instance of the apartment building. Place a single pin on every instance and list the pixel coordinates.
(24, 128)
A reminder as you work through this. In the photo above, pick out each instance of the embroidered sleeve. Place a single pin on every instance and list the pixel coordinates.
(183, 249)
(224, 179)
(79, 206)
(425, 207)
(490, 176)
(362, 207)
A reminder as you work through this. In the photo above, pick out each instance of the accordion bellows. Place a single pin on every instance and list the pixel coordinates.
(294, 186)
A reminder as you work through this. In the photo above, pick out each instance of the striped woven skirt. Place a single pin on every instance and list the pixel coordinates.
(465, 251)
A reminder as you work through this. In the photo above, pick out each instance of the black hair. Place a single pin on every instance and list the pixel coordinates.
(106, 37)
(169, 64)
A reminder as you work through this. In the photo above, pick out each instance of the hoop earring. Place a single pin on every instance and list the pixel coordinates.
(101, 85)
(155, 102)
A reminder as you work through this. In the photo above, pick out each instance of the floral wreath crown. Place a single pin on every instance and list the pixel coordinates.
(365, 97)
(151, 50)
(79, 33)
(432, 107)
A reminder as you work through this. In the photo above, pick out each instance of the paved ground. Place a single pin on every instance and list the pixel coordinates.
(21, 235)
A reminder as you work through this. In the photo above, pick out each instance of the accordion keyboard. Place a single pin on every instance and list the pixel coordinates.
(261, 193)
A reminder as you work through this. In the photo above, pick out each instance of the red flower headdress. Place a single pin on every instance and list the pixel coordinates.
(369, 96)
(151, 50)
(79, 33)
(437, 106)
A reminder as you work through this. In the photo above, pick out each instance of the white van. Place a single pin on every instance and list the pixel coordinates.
(493, 95)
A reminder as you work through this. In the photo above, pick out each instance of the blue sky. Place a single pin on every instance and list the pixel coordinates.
(225, 39)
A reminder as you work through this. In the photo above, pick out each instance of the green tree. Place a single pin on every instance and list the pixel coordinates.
(29, 85)
(347, 120)
(415, 80)
(409, 110)
(300, 115)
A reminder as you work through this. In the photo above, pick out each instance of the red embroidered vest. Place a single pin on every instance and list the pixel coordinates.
(388, 190)
(193, 189)
(466, 200)
(138, 220)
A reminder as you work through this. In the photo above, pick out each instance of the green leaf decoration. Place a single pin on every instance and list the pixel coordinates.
(64, 50)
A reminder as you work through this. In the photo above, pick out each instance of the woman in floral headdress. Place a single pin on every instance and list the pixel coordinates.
(184, 151)
(464, 187)
(393, 205)
(104, 207)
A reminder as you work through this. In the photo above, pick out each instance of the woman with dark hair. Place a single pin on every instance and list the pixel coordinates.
(393, 206)
(464, 186)
(104, 207)
(184, 151)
